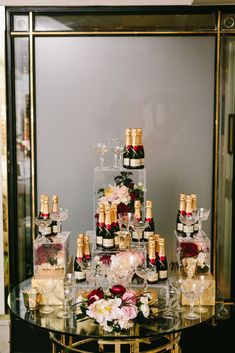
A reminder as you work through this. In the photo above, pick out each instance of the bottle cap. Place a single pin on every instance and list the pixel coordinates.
(128, 132)
(182, 197)
(137, 203)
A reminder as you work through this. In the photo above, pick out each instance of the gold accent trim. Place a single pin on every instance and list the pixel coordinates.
(32, 120)
(4, 149)
(217, 106)
(74, 33)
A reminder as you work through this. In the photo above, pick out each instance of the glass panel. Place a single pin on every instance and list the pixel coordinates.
(22, 112)
(225, 199)
(21, 23)
(132, 22)
(163, 84)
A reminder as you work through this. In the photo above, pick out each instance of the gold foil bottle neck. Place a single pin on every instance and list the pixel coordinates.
(101, 207)
(42, 198)
(128, 132)
(182, 197)
(149, 204)
(137, 204)
(55, 198)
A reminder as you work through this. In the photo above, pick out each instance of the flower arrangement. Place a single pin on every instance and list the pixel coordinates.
(123, 193)
(49, 256)
(115, 309)
(196, 251)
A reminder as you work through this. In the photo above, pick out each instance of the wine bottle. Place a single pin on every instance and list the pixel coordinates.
(181, 211)
(79, 274)
(149, 230)
(141, 147)
(152, 261)
(108, 236)
(134, 155)
(100, 227)
(194, 209)
(162, 260)
(55, 207)
(137, 217)
(188, 229)
(46, 215)
(127, 149)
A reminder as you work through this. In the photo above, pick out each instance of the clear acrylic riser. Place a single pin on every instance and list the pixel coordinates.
(105, 177)
(51, 255)
(197, 248)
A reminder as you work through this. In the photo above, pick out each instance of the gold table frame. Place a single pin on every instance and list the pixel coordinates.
(65, 342)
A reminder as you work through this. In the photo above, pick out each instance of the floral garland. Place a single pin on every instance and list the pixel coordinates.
(123, 193)
(115, 309)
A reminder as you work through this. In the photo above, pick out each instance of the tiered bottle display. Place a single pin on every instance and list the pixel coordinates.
(44, 213)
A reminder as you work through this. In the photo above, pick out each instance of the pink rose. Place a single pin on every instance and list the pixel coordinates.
(130, 311)
(129, 297)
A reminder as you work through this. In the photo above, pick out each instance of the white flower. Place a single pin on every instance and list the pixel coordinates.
(145, 309)
(144, 299)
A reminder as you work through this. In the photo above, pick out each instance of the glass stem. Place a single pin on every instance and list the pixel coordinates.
(101, 161)
(191, 302)
(116, 161)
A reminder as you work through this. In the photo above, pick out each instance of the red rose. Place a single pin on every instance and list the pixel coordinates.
(189, 250)
(132, 196)
(117, 289)
(94, 295)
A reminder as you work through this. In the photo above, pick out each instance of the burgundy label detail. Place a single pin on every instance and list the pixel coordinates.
(45, 215)
(162, 258)
(101, 224)
(135, 148)
(108, 226)
(148, 220)
(182, 212)
(152, 261)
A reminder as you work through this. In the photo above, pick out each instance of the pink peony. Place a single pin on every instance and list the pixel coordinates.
(130, 297)
(130, 311)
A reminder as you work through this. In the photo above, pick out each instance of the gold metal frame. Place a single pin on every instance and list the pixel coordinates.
(3, 129)
(171, 345)
(216, 33)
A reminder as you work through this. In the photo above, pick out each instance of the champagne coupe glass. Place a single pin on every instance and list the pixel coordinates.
(175, 278)
(192, 289)
(68, 296)
(205, 282)
(59, 216)
(42, 223)
(101, 147)
(139, 227)
(143, 272)
(203, 214)
(189, 220)
(46, 289)
(117, 147)
(125, 219)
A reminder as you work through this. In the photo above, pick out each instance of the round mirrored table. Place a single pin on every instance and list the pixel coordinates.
(154, 334)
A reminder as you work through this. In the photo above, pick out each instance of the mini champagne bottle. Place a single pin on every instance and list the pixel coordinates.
(141, 147)
(134, 155)
(127, 149)
(100, 226)
(46, 215)
(79, 274)
(108, 236)
(162, 260)
(181, 211)
(149, 230)
(55, 207)
(152, 261)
